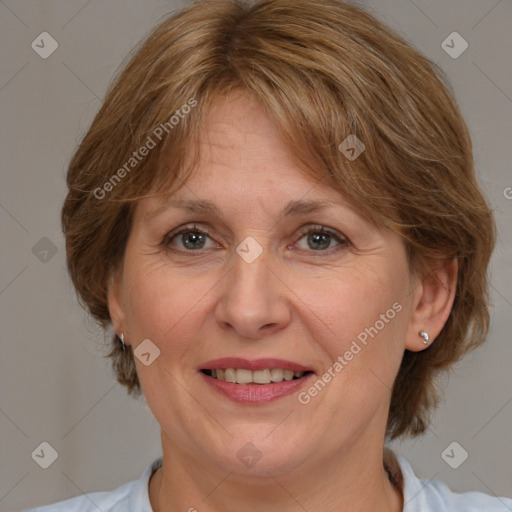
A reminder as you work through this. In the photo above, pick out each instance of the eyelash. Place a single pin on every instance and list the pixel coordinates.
(318, 229)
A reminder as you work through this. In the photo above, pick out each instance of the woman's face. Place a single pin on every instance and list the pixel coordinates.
(246, 281)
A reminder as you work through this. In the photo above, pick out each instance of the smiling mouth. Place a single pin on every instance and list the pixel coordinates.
(245, 376)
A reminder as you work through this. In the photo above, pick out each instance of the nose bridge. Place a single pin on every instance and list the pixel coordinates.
(251, 299)
(250, 273)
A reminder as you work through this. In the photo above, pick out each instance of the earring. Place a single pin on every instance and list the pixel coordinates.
(425, 336)
(121, 339)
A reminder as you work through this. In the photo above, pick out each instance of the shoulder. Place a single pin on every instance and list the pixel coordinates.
(439, 497)
(91, 502)
(129, 497)
(435, 496)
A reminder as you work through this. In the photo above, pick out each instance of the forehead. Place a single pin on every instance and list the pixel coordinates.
(237, 132)
(243, 161)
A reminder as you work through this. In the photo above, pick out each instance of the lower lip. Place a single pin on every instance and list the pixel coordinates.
(256, 393)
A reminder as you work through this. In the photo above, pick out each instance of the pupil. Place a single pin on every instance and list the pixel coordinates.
(317, 238)
(194, 236)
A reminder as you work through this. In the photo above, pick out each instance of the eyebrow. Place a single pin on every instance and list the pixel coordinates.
(292, 208)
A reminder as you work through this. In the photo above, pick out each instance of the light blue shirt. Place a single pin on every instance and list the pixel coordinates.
(419, 496)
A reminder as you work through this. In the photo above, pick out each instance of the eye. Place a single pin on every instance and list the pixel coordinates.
(319, 239)
(190, 237)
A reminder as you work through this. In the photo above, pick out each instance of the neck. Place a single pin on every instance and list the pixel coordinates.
(345, 483)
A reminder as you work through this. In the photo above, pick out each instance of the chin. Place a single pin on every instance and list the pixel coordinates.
(253, 452)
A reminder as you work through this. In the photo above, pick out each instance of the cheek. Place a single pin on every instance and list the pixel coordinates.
(348, 304)
(163, 305)
(359, 330)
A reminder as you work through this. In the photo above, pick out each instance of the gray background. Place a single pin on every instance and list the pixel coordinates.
(54, 385)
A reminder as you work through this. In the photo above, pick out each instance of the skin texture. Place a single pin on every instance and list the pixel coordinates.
(299, 300)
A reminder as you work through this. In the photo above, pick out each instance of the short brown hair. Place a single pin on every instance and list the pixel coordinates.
(322, 70)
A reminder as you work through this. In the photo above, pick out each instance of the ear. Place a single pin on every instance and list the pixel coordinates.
(115, 302)
(434, 296)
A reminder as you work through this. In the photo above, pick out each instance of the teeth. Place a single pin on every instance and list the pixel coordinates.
(230, 375)
(261, 377)
(276, 375)
(288, 375)
(243, 376)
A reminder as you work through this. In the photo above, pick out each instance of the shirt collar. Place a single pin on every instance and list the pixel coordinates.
(412, 487)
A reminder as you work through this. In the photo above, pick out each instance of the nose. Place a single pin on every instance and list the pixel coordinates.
(254, 301)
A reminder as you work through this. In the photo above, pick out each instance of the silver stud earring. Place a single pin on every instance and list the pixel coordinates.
(121, 339)
(425, 336)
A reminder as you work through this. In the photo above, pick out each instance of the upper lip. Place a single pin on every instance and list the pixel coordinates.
(254, 364)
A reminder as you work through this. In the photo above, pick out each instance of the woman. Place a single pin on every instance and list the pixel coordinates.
(275, 209)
